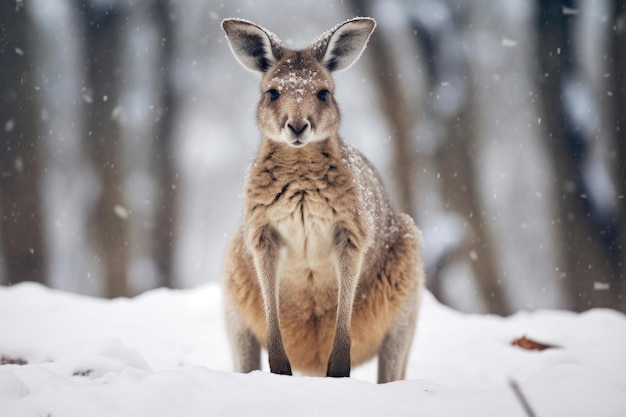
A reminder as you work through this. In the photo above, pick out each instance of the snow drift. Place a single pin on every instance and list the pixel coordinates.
(164, 353)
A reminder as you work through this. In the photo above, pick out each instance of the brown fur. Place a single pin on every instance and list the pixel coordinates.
(316, 215)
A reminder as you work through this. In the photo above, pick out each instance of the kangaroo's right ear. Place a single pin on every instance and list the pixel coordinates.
(255, 48)
(341, 46)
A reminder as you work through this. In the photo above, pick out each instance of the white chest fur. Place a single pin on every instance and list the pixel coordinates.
(305, 221)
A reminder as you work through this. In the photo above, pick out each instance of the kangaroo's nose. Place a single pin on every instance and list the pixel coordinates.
(298, 127)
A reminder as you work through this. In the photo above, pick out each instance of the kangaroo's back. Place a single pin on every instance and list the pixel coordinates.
(323, 273)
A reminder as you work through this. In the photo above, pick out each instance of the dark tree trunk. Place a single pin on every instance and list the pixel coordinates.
(454, 159)
(103, 28)
(617, 49)
(460, 194)
(456, 167)
(166, 219)
(21, 223)
(400, 122)
(586, 254)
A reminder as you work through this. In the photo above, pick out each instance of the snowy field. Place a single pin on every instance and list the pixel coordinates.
(164, 353)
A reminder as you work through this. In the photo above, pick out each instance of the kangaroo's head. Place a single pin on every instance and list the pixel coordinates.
(297, 103)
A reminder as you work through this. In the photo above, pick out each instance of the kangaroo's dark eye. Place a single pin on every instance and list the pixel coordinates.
(322, 94)
(273, 94)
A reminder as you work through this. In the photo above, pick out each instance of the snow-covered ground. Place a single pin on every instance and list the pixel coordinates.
(164, 353)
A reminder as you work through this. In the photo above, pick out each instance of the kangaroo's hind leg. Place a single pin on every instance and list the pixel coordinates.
(394, 352)
(245, 348)
(239, 294)
(407, 271)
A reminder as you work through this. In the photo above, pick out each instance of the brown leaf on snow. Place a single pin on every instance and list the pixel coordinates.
(529, 344)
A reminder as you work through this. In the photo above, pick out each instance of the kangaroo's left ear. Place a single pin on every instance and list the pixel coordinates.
(255, 48)
(341, 46)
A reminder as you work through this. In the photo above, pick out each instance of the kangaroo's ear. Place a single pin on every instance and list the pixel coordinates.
(341, 46)
(255, 48)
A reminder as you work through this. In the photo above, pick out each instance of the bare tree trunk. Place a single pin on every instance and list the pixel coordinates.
(459, 186)
(166, 221)
(396, 112)
(617, 49)
(455, 161)
(21, 221)
(103, 27)
(585, 251)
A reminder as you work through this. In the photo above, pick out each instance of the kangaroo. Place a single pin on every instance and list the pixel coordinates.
(322, 273)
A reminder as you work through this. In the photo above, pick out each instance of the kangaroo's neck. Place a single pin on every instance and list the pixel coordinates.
(310, 151)
(312, 159)
(279, 167)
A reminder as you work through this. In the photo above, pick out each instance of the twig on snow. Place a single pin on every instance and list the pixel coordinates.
(521, 398)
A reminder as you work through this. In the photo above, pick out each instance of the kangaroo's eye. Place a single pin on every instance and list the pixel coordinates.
(273, 94)
(322, 94)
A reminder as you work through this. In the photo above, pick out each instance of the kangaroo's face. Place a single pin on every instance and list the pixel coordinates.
(297, 104)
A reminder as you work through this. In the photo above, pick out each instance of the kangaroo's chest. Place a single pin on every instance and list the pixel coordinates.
(303, 195)
(305, 219)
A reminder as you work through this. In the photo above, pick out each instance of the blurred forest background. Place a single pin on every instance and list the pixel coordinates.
(126, 128)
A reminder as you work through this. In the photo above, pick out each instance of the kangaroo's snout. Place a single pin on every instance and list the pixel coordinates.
(298, 127)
